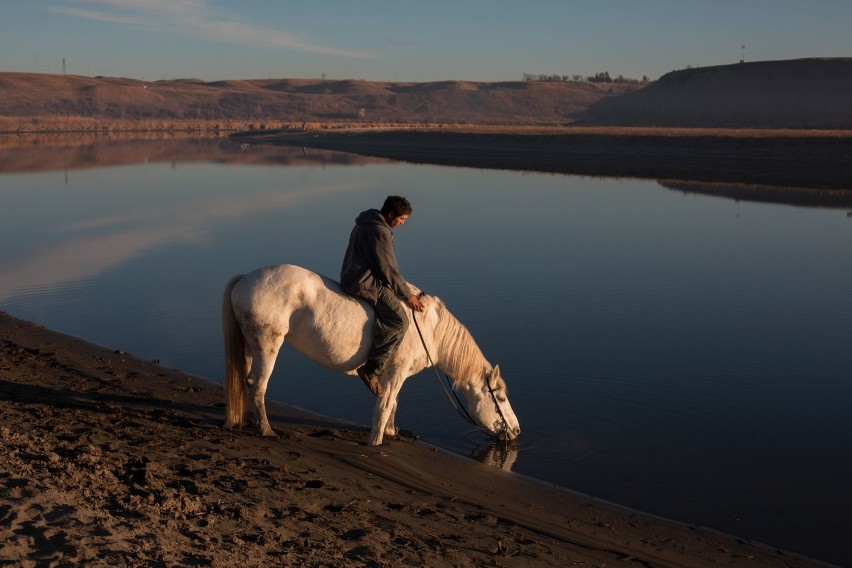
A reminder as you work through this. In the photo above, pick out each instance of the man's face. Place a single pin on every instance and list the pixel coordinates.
(395, 222)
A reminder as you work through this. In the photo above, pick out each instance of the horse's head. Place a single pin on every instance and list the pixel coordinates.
(488, 404)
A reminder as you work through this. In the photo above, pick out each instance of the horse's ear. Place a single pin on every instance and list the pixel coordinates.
(495, 372)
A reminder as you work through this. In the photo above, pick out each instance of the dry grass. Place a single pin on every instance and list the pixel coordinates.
(707, 132)
(614, 131)
(33, 124)
(58, 124)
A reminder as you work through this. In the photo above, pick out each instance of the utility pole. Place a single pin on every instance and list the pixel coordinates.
(63, 66)
(743, 58)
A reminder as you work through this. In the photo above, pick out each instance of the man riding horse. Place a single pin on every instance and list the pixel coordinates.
(370, 271)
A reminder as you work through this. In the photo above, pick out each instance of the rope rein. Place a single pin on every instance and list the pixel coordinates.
(460, 407)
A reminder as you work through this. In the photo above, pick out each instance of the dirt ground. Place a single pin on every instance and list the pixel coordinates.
(106, 459)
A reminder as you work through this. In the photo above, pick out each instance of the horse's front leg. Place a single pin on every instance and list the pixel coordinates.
(385, 409)
(390, 427)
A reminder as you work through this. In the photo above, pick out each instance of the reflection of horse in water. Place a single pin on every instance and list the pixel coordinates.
(264, 308)
(500, 454)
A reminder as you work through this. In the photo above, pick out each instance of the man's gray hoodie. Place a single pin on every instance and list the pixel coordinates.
(370, 261)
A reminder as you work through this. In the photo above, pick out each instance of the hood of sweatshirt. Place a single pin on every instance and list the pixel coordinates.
(371, 217)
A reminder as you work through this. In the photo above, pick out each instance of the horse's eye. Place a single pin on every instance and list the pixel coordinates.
(501, 398)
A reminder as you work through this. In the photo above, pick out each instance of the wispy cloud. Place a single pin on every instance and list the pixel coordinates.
(196, 18)
(99, 16)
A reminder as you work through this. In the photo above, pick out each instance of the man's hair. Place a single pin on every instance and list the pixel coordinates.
(396, 206)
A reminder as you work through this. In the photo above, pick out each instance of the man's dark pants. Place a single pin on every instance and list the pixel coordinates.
(391, 324)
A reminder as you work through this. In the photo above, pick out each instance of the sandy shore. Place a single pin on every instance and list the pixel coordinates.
(784, 158)
(108, 459)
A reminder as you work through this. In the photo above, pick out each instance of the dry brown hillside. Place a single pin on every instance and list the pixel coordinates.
(800, 93)
(43, 100)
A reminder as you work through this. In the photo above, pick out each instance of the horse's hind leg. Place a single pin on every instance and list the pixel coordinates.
(262, 364)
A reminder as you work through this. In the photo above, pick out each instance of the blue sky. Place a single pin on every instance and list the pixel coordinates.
(411, 40)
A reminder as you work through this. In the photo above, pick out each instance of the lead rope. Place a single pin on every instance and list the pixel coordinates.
(460, 408)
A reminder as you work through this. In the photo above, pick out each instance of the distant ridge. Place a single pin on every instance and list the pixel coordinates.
(799, 93)
(297, 100)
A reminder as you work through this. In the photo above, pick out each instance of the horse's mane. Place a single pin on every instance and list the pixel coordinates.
(459, 354)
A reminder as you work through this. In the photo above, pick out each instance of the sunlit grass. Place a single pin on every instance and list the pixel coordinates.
(82, 124)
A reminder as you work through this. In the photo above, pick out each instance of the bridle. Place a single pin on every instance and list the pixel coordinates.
(457, 404)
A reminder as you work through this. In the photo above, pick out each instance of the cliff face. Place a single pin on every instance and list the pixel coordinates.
(801, 93)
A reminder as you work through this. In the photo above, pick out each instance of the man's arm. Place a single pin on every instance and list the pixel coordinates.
(388, 267)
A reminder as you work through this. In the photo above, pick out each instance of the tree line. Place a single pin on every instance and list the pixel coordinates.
(601, 77)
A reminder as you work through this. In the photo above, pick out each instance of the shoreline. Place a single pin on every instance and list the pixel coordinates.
(787, 159)
(109, 458)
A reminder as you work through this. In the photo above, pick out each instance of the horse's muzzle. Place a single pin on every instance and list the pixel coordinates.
(507, 433)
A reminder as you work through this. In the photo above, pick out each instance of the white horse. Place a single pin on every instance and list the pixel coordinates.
(262, 309)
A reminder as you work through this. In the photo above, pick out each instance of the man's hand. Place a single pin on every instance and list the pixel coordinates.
(415, 303)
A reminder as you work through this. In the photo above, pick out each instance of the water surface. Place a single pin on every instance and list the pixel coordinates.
(679, 353)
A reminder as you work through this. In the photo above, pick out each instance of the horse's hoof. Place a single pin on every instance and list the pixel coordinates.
(377, 441)
(268, 433)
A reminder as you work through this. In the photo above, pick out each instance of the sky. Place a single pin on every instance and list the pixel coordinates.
(411, 40)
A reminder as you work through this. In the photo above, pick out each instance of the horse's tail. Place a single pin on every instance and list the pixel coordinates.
(236, 360)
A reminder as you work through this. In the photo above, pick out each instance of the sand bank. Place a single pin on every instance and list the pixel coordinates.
(108, 459)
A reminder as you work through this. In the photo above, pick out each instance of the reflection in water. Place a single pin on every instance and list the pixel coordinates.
(119, 238)
(96, 244)
(501, 453)
(43, 153)
(798, 196)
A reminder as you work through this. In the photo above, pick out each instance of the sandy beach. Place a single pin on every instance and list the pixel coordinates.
(111, 460)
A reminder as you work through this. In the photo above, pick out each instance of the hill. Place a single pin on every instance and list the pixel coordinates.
(43, 100)
(801, 93)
